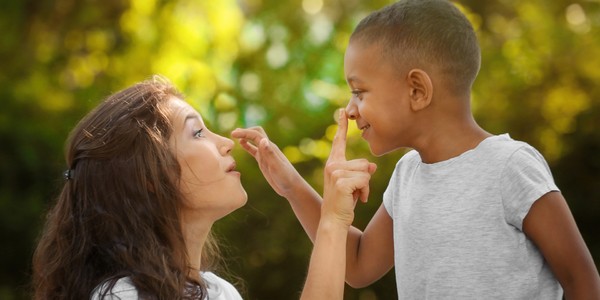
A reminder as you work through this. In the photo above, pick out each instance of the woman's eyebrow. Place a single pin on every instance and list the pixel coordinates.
(190, 117)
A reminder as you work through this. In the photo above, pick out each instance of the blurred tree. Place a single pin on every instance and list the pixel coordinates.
(279, 65)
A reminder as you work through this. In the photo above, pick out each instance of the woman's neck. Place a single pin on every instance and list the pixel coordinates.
(195, 234)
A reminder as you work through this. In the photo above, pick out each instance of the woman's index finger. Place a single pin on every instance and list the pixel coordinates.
(249, 134)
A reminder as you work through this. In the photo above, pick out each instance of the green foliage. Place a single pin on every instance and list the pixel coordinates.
(278, 64)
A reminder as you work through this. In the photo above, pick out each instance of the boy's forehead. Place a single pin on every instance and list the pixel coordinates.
(361, 56)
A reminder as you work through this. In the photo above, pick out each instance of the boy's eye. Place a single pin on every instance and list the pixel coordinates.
(357, 94)
(198, 133)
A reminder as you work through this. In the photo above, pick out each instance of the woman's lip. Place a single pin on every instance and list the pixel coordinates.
(231, 167)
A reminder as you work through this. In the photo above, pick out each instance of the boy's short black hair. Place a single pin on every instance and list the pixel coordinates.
(427, 34)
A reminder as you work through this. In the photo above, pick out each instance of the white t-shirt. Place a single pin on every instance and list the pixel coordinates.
(218, 289)
(458, 224)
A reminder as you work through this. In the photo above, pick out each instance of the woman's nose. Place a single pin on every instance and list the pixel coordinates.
(226, 145)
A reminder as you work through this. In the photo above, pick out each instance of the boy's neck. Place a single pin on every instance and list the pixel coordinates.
(450, 138)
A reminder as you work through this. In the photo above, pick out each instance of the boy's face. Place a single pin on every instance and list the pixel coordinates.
(380, 103)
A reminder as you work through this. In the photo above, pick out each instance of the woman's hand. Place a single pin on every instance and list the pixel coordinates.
(277, 169)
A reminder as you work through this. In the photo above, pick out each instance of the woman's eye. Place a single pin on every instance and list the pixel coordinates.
(357, 94)
(198, 133)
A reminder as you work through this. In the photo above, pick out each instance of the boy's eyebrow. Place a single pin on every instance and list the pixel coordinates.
(352, 79)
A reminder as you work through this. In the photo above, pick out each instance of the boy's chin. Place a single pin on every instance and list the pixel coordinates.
(378, 150)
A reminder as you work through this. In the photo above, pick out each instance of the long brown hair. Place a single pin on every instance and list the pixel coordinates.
(118, 212)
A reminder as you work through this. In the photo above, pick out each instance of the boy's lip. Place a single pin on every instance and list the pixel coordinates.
(364, 129)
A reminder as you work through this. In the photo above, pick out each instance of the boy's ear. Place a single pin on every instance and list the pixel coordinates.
(420, 89)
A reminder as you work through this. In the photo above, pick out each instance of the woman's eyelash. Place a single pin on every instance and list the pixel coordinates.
(198, 133)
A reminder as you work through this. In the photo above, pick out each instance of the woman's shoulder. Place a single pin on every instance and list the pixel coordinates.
(123, 289)
(217, 287)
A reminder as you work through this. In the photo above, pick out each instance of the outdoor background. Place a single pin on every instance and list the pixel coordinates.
(277, 64)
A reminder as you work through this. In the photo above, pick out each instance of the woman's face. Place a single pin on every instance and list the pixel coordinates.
(209, 182)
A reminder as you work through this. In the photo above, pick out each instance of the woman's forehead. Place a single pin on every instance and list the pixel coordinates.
(181, 111)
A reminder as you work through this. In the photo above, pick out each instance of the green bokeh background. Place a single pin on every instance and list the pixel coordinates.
(278, 64)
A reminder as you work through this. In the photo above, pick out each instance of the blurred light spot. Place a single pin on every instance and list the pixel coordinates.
(293, 154)
(145, 7)
(277, 55)
(329, 91)
(227, 120)
(330, 131)
(508, 28)
(577, 19)
(552, 146)
(313, 100)
(250, 82)
(254, 115)
(575, 14)
(312, 6)
(98, 40)
(225, 102)
(252, 36)
(315, 148)
(320, 30)
(562, 105)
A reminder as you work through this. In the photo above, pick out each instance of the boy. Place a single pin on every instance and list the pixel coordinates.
(466, 215)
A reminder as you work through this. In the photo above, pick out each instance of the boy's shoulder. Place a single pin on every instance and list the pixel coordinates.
(497, 147)
(503, 146)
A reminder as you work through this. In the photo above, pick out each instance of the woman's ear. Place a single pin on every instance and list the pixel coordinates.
(420, 89)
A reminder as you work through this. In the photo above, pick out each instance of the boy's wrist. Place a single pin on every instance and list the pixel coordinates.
(334, 223)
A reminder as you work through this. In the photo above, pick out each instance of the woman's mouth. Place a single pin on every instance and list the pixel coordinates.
(231, 168)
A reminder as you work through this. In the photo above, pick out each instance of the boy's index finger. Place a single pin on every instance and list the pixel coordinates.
(338, 146)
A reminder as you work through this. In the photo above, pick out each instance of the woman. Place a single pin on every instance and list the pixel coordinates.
(140, 197)
(146, 180)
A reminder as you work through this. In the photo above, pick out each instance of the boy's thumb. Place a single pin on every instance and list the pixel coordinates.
(372, 168)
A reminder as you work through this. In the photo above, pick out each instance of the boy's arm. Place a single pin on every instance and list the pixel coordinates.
(325, 279)
(343, 185)
(550, 225)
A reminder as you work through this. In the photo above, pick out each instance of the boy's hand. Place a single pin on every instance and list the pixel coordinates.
(345, 181)
(276, 168)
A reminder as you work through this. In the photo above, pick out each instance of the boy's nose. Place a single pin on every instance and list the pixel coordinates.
(351, 110)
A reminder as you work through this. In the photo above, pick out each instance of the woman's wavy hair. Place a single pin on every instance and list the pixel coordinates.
(118, 213)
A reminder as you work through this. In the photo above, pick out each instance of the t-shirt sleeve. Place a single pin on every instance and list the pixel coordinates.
(123, 290)
(390, 192)
(525, 178)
